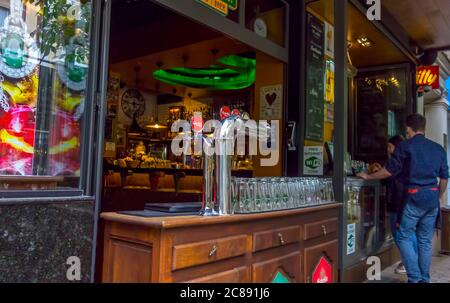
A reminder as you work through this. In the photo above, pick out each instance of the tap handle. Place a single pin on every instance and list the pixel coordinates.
(236, 112)
(225, 112)
(197, 123)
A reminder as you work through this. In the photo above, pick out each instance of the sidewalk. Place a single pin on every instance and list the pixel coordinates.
(440, 272)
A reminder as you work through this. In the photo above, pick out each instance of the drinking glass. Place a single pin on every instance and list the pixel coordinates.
(236, 207)
(266, 189)
(245, 196)
(303, 192)
(277, 196)
(309, 191)
(254, 202)
(260, 197)
(284, 193)
(294, 193)
(331, 191)
(317, 195)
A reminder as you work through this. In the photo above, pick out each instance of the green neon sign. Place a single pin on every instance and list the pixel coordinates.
(235, 72)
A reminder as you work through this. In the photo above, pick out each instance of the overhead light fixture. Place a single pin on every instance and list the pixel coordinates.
(364, 41)
(154, 124)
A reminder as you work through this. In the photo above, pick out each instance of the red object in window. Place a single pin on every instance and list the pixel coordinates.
(17, 128)
(197, 123)
(19, 122)
(225, 112)
(323, 273)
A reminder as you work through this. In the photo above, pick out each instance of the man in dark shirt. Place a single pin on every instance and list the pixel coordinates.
(420, 162)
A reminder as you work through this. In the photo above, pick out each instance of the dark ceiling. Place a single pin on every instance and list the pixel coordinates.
(140, 28)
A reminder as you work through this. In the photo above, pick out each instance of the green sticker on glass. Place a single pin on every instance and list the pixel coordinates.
(75, 72)
(13, 50)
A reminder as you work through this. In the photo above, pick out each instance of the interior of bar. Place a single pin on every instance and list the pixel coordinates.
(192, 70)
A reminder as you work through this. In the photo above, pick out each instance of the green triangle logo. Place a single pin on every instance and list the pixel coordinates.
(280, 278)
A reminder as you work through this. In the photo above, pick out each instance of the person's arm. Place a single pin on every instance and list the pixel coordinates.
(381, 174)
(443, 175)
(442, 187)
(392, 168)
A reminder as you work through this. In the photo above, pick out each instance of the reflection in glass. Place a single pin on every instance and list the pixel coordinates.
(43, 75)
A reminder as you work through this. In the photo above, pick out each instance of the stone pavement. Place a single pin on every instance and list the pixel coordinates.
(440, 272)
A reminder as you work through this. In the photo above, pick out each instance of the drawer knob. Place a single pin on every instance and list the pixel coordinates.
(280, 237)
(324, 230)
(213, 251)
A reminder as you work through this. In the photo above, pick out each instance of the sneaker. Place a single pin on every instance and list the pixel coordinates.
(400, 270)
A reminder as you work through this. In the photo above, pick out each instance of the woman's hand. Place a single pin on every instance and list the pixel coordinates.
(363, 176)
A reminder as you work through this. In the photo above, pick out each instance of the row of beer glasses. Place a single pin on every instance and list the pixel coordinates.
(266, 194)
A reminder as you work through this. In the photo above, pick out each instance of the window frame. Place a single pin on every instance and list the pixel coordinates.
(84, 191)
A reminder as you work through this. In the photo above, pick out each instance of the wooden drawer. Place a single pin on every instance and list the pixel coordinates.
(235, 275)
(320, 229)
(192, 254)
(276, 237)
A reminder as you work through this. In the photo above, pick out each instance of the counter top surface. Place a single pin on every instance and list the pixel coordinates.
(184, 221)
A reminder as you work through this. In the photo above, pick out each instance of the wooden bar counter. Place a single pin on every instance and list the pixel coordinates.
(287, 246)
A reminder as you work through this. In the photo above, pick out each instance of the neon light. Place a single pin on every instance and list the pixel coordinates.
(64, 146)
(238, 73)
(15, 142)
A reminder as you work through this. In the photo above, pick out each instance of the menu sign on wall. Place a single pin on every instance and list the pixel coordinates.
(221, 6)
(315, 92)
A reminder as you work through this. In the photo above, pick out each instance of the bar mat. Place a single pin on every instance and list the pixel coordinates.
(149, 213)
(174, 207)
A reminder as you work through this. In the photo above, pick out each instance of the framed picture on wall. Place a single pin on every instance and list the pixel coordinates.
(121, 137)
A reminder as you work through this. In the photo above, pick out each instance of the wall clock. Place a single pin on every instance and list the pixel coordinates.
(133, 103)
(260, 27)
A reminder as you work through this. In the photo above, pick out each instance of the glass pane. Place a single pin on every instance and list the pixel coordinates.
(44, 55)
(267, 18)
(382, 110)
(361, 212)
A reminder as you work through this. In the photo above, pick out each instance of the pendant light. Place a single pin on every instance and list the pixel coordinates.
(154, 123)
(135, 129)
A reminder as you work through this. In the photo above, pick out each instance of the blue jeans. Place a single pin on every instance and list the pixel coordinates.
(420, 222)
(394, 230)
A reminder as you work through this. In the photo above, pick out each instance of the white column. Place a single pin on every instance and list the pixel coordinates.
(437, 127)
(436, 115)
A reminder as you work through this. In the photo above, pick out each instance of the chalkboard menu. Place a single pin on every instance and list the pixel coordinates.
(315, 81)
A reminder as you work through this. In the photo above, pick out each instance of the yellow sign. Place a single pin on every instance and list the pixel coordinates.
(329, 82)
(217, 5)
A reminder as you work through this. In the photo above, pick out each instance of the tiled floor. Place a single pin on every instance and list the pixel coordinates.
(440, 272)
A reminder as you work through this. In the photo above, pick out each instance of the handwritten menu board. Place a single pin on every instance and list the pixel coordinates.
(315, 67)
